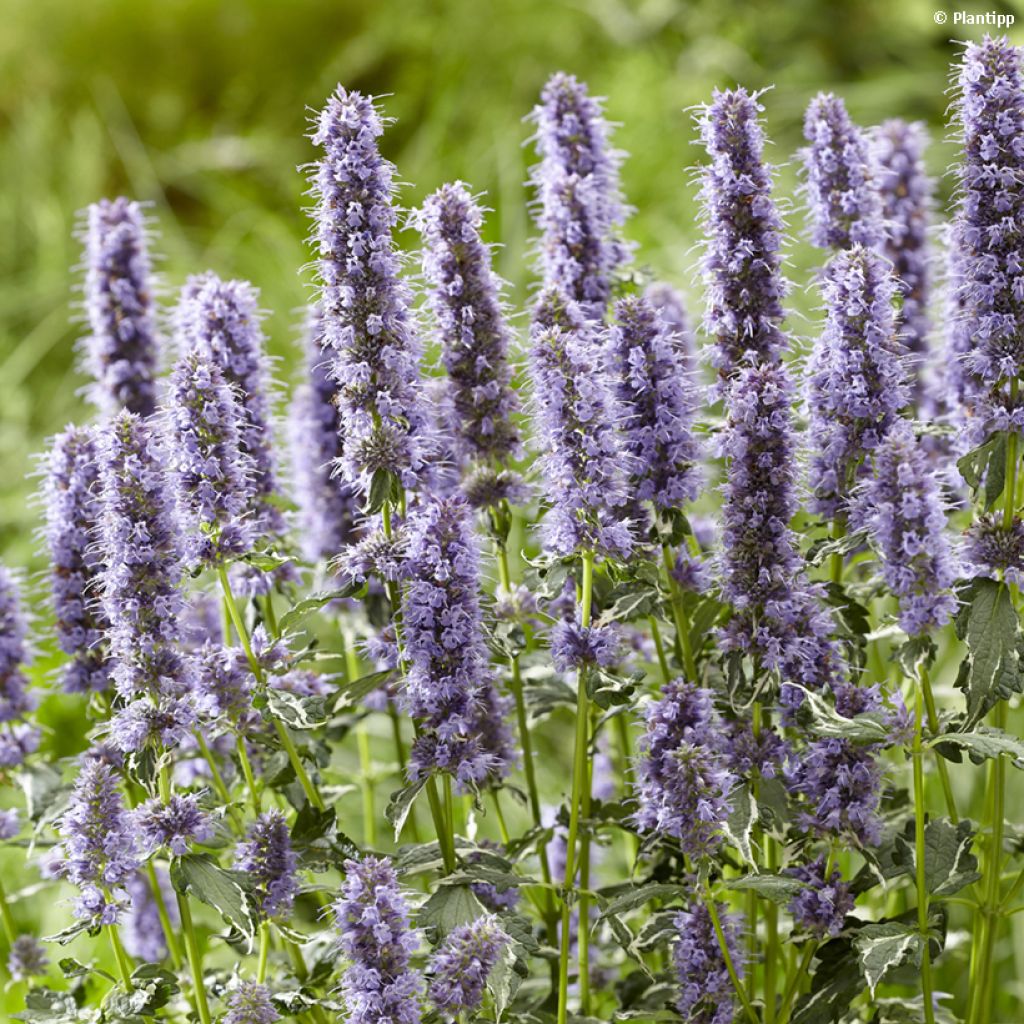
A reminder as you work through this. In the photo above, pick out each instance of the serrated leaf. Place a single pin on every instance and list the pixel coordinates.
(776, 888)
(949, 864)
(985, 742)
(228, 892)
(504, 979)
(885, 946)
(72, 968)
(297, 712)
(351, 693)
(449, 907)
(827, 722)
(739, 825)
(313, 603)
(637, 896)
(39, 783)
(401, 803)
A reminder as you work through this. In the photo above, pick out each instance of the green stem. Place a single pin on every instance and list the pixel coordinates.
(165, 918)
(250, 780)
(437, 813)
(919, 862)
(218, 783)
(10, 929)
(793, 986)
(261, 969)
(312, 794)
(836, 561)
(723, 946)
(773, 952)
(366, 782)
(124, 965)
(659, 646)
(933, 728)
(195, 958)
(683, 647)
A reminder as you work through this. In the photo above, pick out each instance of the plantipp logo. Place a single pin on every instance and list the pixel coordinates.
(966, 18)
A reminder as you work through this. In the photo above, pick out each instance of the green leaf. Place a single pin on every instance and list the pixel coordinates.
(384, 486)
(313, 603)
(44, 1006)
(401, 803)
(777, 888)
(885, 946)
(295, 711)
(637, 896)
(40, 784)
(449, 907)
(351, 693)
(949, 865)
(986, 463)
(985, 742)
(228, 892)
(826, 721)
(836, 981)
(72, 968)
(741, 820)
(505, 977)
(989, 625)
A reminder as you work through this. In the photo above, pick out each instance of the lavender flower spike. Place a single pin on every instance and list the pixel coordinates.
(449, 683)
(15, 700)
(250, 1003)
(27, 958)
(372, 919)
(990, 111)
(706, 994)
(142, 564)
(268, 856)
(71, 498)
(461, 966)
(908, 524)
(579, 202)
(326, 502)
(121, 351)
(742, 263)
(584, 465)
(99, 848)
(213, 476)
(366, 318)
(671, 307)
(658, 402)
(857, 384)
(907, 193)
(842, 180)
(220, 321)
(465, 297)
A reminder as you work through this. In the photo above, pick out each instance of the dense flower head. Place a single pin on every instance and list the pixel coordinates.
(706, 994)
(989, 110)
(99, 843)
(857, 382)
(17, 741)
(960, 391)
(122, 347)
(326, 503)
(683, 780)
(249, 1003)
(141, 928)
(175, 824)
(142, 563)
(907, 194)
(15, 699)
(742, 263)
(992, 549)
(579, 206)
(222, 680)
(841, 783)
(266, 853)
(164, 722)
(657, 401)
(449, 679)
(211, 472)
(777, 618)
(10, 823)
(375, 555)
(822, 906)
(462, 964)
(841, 178)
(584, 463)
(671, 307)
(465, 298)
(372, 921)
(220, 320)
(574, 646)
(764, 753)
(27, 958)
(71, 501)
(906, 517)
(691, 572)
(367, 326)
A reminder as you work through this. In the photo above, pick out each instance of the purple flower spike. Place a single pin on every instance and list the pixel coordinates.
(15, 700)
(326, 502)
(366, 320)
(212, 474)
(669, 305)
(822, 907)
(27, 958)
(907, 197)
(142, 564)
(372, 920)
(573, 645)
(683, 778)
(742, 262)
(71, 498)
(989, 549)
(465, 297)
(706, 994)
(250, 1003)
(141, 928)
(658, 402)
(585, 467)
(989, 109)
(176, 824)
(449, 686)
(579, 202)
(460, 968)
(842, 179)
(268, 856)
(857, 384)
(121, 351)
(907, 521)
(99, 847)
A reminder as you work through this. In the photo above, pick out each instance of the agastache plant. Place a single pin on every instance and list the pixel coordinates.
(122, 347)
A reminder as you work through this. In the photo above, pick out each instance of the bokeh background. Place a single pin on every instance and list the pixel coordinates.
(200, 107)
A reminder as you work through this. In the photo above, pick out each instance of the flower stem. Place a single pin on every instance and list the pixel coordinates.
(933, 728)
(195, 958)
(7, 918)
(919, 862)
(683, 647)
(261, 968)
(165, 918)
(250, 780)
(124, 965)
(723, 945)
(659, 646)
(366, 783)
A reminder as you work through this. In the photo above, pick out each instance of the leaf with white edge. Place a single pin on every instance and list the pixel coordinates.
(777, 888)
(949, 864)
(985, 742)
(741, 820)
(228, 892)
(297, 712)
(401, 803)
(827, 722)
(636, 897)
(884, 947)
(505, 977)
(349, 694)
(449, 907)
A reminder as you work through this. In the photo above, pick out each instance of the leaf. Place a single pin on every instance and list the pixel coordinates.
(949, 865)
(297, 712)
(637, 896)
(72, 968)
(985, 742)
(401, 803)
(384, 486)
(988, 623)
(826, 721)
(40, 783)
(313, 603)
(885, 946)
(504, 978)
(777, 888)
(351, 693)
(449, 907)
(228, 892)
(741, 820)
(986, 463)
(836, 981)
(44, 1006)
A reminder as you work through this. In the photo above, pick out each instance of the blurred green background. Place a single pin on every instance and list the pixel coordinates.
(201, 109)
